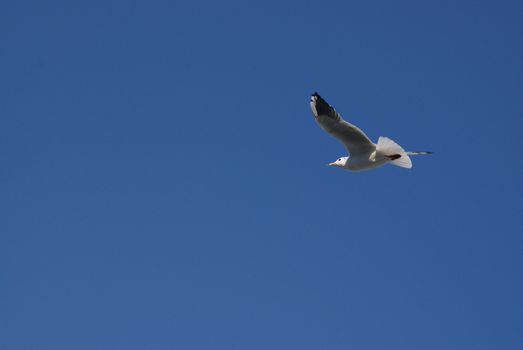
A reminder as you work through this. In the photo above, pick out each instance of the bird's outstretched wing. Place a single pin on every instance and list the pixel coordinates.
(329, 120)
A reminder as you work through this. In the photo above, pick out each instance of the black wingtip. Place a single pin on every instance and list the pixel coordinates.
(322, 107)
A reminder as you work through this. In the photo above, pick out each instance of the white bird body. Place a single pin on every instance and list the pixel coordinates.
(362, 161)
(365, 161)
(364, 154)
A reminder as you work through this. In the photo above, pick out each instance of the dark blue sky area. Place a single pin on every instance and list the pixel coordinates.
(163, 182)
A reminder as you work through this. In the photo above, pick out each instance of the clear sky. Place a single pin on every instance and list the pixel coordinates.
(163, 182)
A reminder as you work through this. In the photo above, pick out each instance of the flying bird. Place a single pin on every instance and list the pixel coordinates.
(363, 153)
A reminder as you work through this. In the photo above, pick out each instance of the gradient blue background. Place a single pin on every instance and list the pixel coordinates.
(163, 182)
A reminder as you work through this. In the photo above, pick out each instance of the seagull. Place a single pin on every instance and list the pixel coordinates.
(364, 154)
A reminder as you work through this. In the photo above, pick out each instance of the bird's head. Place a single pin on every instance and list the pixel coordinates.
(339, 162)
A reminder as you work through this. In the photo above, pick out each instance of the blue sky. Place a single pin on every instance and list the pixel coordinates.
(164, 183)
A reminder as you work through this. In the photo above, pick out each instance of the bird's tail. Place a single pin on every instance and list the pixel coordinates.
(397, 155)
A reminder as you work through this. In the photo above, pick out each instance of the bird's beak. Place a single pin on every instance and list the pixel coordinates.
(331, 164)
